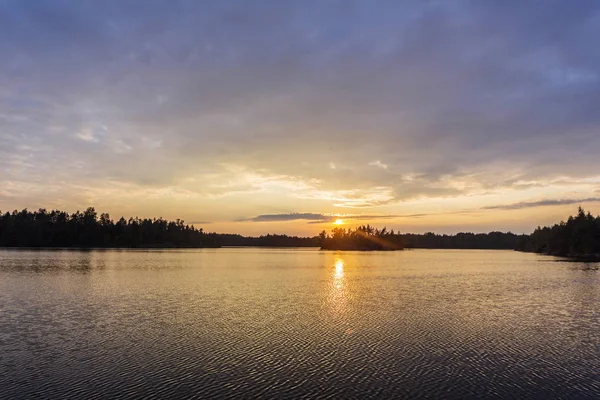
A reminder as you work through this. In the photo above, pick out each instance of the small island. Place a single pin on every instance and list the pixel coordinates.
(363, 238)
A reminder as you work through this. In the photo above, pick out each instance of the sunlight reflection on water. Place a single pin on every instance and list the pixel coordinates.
(337, 296)
(338, 277)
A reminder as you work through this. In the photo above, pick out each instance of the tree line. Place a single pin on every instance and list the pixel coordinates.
(464, 240)
(56, 228)
(579, 236)
(87, 229)
(364, 237)
(271, 240)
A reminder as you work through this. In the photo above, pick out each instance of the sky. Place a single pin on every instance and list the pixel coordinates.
(283, 116)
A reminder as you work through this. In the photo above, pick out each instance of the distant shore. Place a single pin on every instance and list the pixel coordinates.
(578, 238)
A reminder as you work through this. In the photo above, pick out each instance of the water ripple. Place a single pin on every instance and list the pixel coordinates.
(249, 323)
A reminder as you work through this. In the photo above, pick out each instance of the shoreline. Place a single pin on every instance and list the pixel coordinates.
(586, 258)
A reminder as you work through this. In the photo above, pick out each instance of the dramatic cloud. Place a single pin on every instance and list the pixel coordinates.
(219, 108)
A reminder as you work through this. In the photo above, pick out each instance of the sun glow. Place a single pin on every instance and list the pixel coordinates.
(337, 294)
(339, 222)
(339, 272)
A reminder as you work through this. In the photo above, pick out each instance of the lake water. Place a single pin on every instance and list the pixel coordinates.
(264, 323)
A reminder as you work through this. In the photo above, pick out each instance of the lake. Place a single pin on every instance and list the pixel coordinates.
(290, 323)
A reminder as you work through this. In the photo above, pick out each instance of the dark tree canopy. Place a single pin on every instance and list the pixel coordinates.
(86, 229)
(369, 238)
(270, 240)
(492, 241)
(579, 236)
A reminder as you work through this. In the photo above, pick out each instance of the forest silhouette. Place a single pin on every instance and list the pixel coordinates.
(87, 229)
(578, 237)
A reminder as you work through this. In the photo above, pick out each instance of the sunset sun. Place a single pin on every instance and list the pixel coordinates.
(339, 222)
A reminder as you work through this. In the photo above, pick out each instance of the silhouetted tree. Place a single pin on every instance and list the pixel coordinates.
(361, 238)
(85, 229)
(492, 241)
(268, 241)
(578, 237)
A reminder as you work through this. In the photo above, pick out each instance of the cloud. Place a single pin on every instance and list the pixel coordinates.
(541, 203)
(378, 164)
(363, 107)
(322, 217)
(286, 217)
